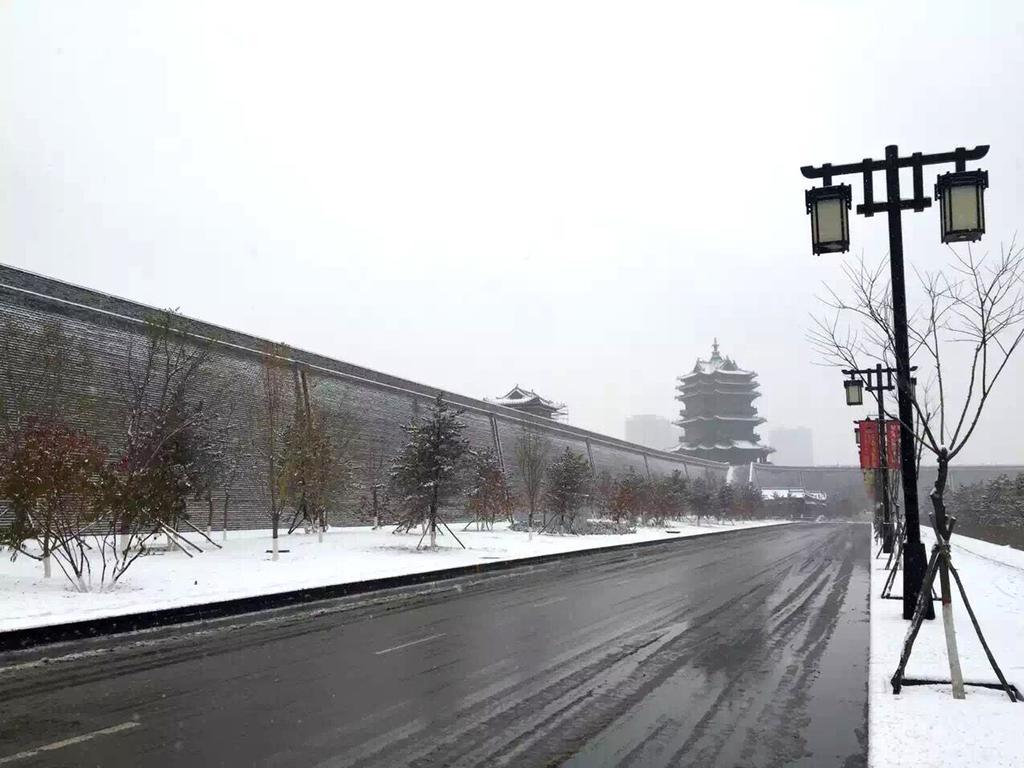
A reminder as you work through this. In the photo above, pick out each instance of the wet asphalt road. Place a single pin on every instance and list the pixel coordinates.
(742, 649)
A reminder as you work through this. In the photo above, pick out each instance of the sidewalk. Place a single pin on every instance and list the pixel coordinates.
(924, 726)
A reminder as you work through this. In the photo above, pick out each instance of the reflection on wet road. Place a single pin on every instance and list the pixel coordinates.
(744, 649)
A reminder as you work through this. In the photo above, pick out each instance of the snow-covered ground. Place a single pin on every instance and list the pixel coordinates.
(924, 726)
(244, 569)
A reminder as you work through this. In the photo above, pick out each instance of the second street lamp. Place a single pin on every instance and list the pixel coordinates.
(854, 391)
(879, 380)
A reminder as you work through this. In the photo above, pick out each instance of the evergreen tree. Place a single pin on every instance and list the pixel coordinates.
(678, 491)
(701, 498)
(426, 471)
(568, 483)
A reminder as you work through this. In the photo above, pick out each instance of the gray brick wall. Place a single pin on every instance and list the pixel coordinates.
(366, 407)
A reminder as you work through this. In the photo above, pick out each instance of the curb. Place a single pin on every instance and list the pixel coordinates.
(21, 639)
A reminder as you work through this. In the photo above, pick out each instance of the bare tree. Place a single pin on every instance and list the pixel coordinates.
(49, 476)
(976, 305)
(316, 458)
(488, 496)
(376, 476)
(41, 371)
(158, 467)
(532, 451)
(268, 439)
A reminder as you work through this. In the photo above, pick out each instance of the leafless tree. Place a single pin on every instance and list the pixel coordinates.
(157, 468)
(317, 457)
(376, 476)
(975, 305)
(42, 375)
(978, 303)
(268, 434)
(532, 451)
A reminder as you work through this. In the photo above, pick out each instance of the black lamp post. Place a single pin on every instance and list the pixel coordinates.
(961, 198)
(878, 380)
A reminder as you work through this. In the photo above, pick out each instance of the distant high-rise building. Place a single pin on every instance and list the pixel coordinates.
(718, 413)
(794, 446)
(652, 431)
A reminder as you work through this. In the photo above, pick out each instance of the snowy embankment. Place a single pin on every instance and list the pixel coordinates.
(924, 726)
(243, 568)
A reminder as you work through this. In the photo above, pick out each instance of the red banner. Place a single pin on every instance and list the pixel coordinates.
(870, 456)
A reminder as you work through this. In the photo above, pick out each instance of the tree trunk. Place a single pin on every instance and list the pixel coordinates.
(433, 517)
(47, 568)
(209, 521)
(275, 518)
(938, 503)
(224, 533)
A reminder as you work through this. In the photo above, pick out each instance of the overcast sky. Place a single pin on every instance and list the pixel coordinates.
(575, 197)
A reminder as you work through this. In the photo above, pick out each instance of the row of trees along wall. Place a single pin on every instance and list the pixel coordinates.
(98, 364)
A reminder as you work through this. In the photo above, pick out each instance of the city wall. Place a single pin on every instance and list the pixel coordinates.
(364, 409)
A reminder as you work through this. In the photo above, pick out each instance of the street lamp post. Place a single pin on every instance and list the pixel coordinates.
(877, 380)
(961, 196)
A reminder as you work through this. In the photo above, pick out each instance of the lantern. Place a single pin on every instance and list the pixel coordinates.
(854, 391)
(961, 197)
(830, 222)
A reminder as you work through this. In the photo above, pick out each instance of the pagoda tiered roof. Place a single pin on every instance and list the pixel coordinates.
(754, 420)
(527, 400)
(718, 417)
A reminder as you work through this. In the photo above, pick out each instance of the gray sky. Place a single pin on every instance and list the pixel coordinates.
(573, 196)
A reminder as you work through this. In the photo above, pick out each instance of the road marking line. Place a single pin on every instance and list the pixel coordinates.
(552, 601)
(68, 742)
(406, 645)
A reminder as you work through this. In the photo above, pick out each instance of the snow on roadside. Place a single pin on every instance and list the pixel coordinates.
(924, 726)
(244, 569)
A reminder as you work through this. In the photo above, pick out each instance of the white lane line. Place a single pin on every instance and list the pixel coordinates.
(552, 601)
(68, 742)
(406, 645)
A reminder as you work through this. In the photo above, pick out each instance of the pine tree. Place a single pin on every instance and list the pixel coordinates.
(568, 483)
(701, 498)
(427, 470)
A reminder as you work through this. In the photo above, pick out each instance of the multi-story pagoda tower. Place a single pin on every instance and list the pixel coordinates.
(718, 416)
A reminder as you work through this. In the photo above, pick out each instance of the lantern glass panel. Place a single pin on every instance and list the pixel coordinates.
(829, 217)
(962, 207)
(854, 392)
